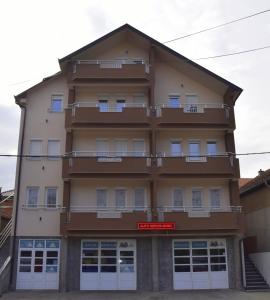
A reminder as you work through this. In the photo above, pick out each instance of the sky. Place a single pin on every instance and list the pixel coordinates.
(34, 34)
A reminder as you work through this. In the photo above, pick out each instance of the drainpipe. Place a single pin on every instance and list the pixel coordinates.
(18, 186)
(242, 250)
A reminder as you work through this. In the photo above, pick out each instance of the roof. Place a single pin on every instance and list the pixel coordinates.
(256, 183)
(7, 193)
(127, 27)
(243, 181)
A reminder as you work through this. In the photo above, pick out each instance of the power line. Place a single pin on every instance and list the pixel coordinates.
(233, 53)
(217, 26)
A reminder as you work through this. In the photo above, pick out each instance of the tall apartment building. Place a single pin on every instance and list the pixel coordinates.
(146, 195)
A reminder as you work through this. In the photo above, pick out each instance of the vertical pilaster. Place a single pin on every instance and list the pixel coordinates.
(155, 264)
(63, 265)
(234, 193)
(66, 195)
(69, 141)
(71, 95)
(153, 199)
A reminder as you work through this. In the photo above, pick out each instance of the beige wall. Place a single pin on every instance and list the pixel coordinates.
(83, 193)
(164, 139)
(86, 141)
(170, 81)
(42, 124)
(165, 191)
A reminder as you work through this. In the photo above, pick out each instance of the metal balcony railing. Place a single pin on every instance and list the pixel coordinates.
(209, 209)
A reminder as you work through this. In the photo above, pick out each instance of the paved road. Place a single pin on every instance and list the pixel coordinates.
(185, 295)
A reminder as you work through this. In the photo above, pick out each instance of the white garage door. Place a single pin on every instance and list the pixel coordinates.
(38, 264)
(108, 265)
(200, 264)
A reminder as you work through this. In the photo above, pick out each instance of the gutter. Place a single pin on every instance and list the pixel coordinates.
(21, 139)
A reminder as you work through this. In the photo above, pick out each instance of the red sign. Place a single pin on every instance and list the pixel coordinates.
(156, 226)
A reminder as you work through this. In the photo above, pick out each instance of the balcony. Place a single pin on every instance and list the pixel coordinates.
(87, 114)
(89, 219)
(116, 69)
(92, 164)
(201, 219)
(190, 166)
(196, 116)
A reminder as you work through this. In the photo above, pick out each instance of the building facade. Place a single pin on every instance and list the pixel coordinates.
(130, 184)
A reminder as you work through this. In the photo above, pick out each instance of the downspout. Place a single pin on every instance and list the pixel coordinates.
(242, 252)
(21, 139)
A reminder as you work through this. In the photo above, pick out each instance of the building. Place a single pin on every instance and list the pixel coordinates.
(146, 196)
(255, 200)
(6, 204)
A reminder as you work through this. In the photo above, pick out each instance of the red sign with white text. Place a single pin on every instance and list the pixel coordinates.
(156, 226)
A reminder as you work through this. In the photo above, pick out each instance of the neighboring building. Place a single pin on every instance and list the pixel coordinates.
(146, 135)
(255, 200)
(6, 205)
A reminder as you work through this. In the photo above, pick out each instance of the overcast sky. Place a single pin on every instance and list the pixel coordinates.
(34, 34)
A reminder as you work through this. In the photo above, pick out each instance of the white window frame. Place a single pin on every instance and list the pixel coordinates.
(220, 198)
(54, 157)
(115, 200)
(106, 199)
(57, 97)
(183, 198)
(27, 196)
(140, 208)
(46, 197)
(41, 154)
(197, 189)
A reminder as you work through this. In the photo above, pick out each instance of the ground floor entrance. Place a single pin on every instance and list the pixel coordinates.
(108, 265)
(38, 264)
(200, 264)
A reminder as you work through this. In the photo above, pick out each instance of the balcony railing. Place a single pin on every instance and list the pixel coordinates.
(108, 209)
(209, 209)
(109, 69)
(207, 114)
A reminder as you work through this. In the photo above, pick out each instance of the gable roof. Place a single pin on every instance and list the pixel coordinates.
(156, 43)
(126, 27)
(256, 183)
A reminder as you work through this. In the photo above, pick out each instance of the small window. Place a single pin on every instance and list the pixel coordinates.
(139, 198)
(174, 101)
(178, 198)
(211, 148)
(35, 149)
(120, 198)
(57, 103)
(215, 198)
(194, 151)
(51, 197)
(103, 105)
(196, 198)
(101, 198)
(53, 149)
(32, 196)
(120, 104)
(176, 149)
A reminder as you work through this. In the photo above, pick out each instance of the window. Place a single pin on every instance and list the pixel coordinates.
(53, 149)
(174, 101)
(176, 149)
(35, 149)
(101, 198)
(51, 197)
(138, 148)
(178, 198)
(121, 147)
(211, 148)
(192, 103)
(102, 147)
(120, 198)
(139, 198)
(120, 104)
(215, 198)
(32, 196)
(103, 105)
(57, 103)
(196, 198)
(194, 151)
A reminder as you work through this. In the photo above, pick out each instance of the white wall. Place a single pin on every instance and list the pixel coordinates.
(262, 262)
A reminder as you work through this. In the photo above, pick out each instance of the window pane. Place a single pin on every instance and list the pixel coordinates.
(35, 147)
(126, 269)
(52, 261)
(38, 261)
(25, 269)
(52, 254)
(176, 149)
(101, 198)
(120, 198)
(182, 268)
(90, 252)
(177, 198)
(108, 269)
(218, 260)
(26, 253)
(26, 243)
(54, 148)
(38, 253)
(211, 148)
(126, 253)
(194, 151)
(90, 245)
(52, 244)
(200, 268)
(126, 260)
(138, 148)
(218, 267)
(217, 251)
(32, 197)
(51, 197)
(199, 252)
(139, 198)
(181, 244)
(89, 269)
(120, 104)
(181, 252)
(108, 245)
(200, 260)
(90, 261)
(108, 252)
(51, 269)
(56, 104)
(199, 244)
(182, 260)
(25, 261)
(38, 269)
(108, 261)
(103, 105)
(196, 199)
(215, 198)
(174, 101)
(39, 243)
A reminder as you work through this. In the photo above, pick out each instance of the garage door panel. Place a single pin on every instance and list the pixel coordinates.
(219, 280)
(182, 281)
